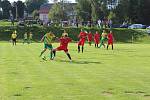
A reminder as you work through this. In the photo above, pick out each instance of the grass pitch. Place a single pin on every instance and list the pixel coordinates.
(97, 74)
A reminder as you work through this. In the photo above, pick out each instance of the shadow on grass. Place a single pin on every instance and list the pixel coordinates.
(81, 62)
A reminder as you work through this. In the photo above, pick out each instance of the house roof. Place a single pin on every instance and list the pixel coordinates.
(44, 9)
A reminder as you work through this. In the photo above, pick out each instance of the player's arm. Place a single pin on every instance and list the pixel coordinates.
(79, 35)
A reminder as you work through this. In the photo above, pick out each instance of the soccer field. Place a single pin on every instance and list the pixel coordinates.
(97, 74)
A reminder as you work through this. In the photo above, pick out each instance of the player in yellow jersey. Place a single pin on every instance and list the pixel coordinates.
(14, 37)
(30, 37)
(47, 39)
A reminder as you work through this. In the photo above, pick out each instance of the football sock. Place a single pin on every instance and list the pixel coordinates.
(82, 49)
(69, 56)
(78, 49)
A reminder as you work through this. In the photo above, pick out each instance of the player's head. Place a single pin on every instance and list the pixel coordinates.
(104, 31)
(81, 30)
(15, 32)
(65, 35)
(96, 32)
(110, 31)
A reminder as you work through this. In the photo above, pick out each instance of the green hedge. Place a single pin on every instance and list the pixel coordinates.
(121, 35)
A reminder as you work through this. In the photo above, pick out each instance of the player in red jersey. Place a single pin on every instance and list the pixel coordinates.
(64, 40)
(96, 39)
(110, 40)
(82, 40)
(89, 37)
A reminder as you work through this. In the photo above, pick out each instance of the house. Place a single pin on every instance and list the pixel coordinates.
(45, 8)
(43, 12)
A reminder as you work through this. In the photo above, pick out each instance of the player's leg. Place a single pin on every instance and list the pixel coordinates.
(101, 43)
(112, 47)
(107, 46)
(89, 43)
(95, 45)
(51, 55)
(67, 53)
(78, 48)
(45, 48)
(15, 41)
(43, 52)
(82, 49)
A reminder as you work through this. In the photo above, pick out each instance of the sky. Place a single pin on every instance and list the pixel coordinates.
(49, 0)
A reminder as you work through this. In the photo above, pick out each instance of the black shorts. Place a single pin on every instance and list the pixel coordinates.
(14, 40)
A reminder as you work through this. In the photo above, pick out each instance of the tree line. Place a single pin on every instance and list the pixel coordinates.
(133, 11)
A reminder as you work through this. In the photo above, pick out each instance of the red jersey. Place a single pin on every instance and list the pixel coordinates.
(110, 36)
(82, 35)
(89, 36)
(64, 41)
(97, 38)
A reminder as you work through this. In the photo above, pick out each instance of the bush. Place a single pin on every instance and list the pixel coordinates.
(121, 35)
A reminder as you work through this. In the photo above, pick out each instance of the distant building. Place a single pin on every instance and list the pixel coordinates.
(45, 8)
(43, 12)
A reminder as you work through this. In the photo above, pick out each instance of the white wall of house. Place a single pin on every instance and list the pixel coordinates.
(44, 18)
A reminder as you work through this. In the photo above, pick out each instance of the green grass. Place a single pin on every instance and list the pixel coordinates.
(98, 74)
(6, 23)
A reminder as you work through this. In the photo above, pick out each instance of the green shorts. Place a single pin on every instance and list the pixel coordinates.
(48, 46)
(103, 39)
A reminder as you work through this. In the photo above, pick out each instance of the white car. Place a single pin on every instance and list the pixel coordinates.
(148, 27)
(136, 26)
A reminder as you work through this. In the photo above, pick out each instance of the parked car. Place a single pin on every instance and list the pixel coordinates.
(148, 27)
(124, 26)
(137, 26)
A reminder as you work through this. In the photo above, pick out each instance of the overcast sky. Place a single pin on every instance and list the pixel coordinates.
(49, 0)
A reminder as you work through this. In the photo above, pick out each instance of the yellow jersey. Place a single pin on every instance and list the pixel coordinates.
(14, 36)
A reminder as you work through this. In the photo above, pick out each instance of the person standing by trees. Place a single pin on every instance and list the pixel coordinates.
(14, 38)
(30, 37)
(25, 40)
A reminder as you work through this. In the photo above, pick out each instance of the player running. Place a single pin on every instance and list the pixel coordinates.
(103, 38)
(64, 40)
(110, 40)
(89, 37)
(14, 37)
(96, 39)
(25, 40)
(30, 37)
(47, 39)
(82, 40)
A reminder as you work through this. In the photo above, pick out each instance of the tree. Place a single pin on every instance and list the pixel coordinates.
(34, 4)
(57, 13)
(145, 12)
(6, 7)
(35, 14)
(20, 9)
(83, 10)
